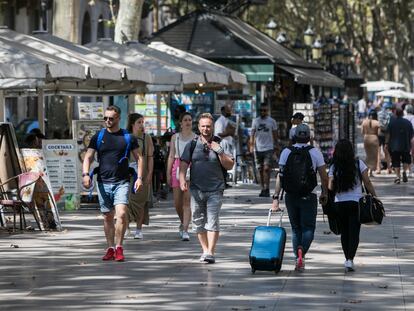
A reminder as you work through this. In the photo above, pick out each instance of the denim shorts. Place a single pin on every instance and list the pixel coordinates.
(111, 195)
(205, 209)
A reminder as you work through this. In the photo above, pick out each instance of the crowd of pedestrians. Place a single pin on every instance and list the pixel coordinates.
(388, 139)
(197, 168)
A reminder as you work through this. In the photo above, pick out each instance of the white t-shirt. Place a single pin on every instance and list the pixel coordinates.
(362, 105)
(353, 194)
(219, 126)
(316, 156)
(264, 128)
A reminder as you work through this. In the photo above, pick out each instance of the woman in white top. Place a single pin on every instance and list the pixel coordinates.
(345, 181)
(181, 199)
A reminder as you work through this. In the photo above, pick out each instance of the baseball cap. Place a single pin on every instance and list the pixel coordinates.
(302, 131)
(298, 115)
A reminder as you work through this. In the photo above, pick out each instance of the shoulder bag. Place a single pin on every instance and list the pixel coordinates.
(371, 209)
(187, 175)
(333, 217)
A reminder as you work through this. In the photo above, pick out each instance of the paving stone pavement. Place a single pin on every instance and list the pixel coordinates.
(64, 271)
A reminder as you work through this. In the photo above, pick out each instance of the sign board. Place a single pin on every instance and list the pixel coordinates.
(91, 110)
(34, 161)
(62, 165)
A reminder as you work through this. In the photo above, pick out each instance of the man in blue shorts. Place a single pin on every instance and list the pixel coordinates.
(113, 180)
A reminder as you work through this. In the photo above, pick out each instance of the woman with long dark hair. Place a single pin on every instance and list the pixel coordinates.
(345, 181)
(181, 198)
(139, 202)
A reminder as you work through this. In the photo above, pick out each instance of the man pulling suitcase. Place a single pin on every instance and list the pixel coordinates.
(298, 167)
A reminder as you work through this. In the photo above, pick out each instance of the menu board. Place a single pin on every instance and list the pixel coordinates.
(62, 165)
(34, 161)
(91, 110)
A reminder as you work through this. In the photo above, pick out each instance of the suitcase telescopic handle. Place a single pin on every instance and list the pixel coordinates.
(270, 215)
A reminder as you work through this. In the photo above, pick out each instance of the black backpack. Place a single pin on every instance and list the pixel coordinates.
(299, 177)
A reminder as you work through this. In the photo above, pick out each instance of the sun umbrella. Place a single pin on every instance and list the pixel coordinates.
(396, 94)
(373, 86)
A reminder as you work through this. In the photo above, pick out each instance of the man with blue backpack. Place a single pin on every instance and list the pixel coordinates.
(113, 146)
(297, 177)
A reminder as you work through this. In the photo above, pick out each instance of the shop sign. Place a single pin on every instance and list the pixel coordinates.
(62, 165)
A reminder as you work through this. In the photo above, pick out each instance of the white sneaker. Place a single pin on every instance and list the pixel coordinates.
(138, 235)
(203, 257)
(349, 265)
(185, 236)
(181, 230)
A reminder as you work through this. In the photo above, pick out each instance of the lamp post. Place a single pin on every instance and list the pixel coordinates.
(282, 39)
(298, 47)
(347, 60)
(411, 61)
(338, 56)
(308, 39)
(389, 60)
(317, 50)
(271, 27)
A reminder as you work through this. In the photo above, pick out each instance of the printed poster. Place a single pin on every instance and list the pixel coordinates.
(34, 161)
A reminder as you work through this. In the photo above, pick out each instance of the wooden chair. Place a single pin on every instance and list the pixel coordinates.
(16, 194)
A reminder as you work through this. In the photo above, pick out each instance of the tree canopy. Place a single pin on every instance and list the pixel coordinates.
(380, 33)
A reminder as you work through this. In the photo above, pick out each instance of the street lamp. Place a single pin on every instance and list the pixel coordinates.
(298, 47)
(282, 39)
(271, 26)
(339, 51)
(347, 60)
(389, 59)
(317, 50)
(308, 39)
(308, 36)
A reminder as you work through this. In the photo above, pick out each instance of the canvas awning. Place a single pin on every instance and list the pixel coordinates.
(167, 68)
(314, 77)
(213, 71)
(17, 63)
(100, 75)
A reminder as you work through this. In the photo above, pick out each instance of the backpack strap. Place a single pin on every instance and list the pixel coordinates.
(127, 138)
(192, 146)
(99, 140)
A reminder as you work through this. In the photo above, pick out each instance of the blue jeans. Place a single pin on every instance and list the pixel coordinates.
(302, 215)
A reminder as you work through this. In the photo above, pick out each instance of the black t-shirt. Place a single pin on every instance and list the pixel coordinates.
(111, 150)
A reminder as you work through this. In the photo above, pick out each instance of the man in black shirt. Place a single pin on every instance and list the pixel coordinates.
(113, 178)
(399, 143)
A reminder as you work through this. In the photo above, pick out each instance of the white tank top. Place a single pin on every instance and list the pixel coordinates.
(180, 145)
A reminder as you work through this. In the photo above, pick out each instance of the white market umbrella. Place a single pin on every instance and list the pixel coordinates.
(373, 86)
(396, 94)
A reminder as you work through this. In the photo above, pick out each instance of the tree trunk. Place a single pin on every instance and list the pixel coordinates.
(128, 20)
(64, 18)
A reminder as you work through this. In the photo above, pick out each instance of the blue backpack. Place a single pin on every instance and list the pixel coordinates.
(127, 138)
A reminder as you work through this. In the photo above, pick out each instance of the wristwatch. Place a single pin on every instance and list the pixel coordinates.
(275, 197)
(85, 174)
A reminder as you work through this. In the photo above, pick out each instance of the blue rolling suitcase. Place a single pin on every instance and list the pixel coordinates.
(268, 247)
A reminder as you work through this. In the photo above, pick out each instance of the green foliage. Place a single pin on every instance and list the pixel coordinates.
(377, 31)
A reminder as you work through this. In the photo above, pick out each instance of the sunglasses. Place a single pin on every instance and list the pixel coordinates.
(263, 110)
(109, 119)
